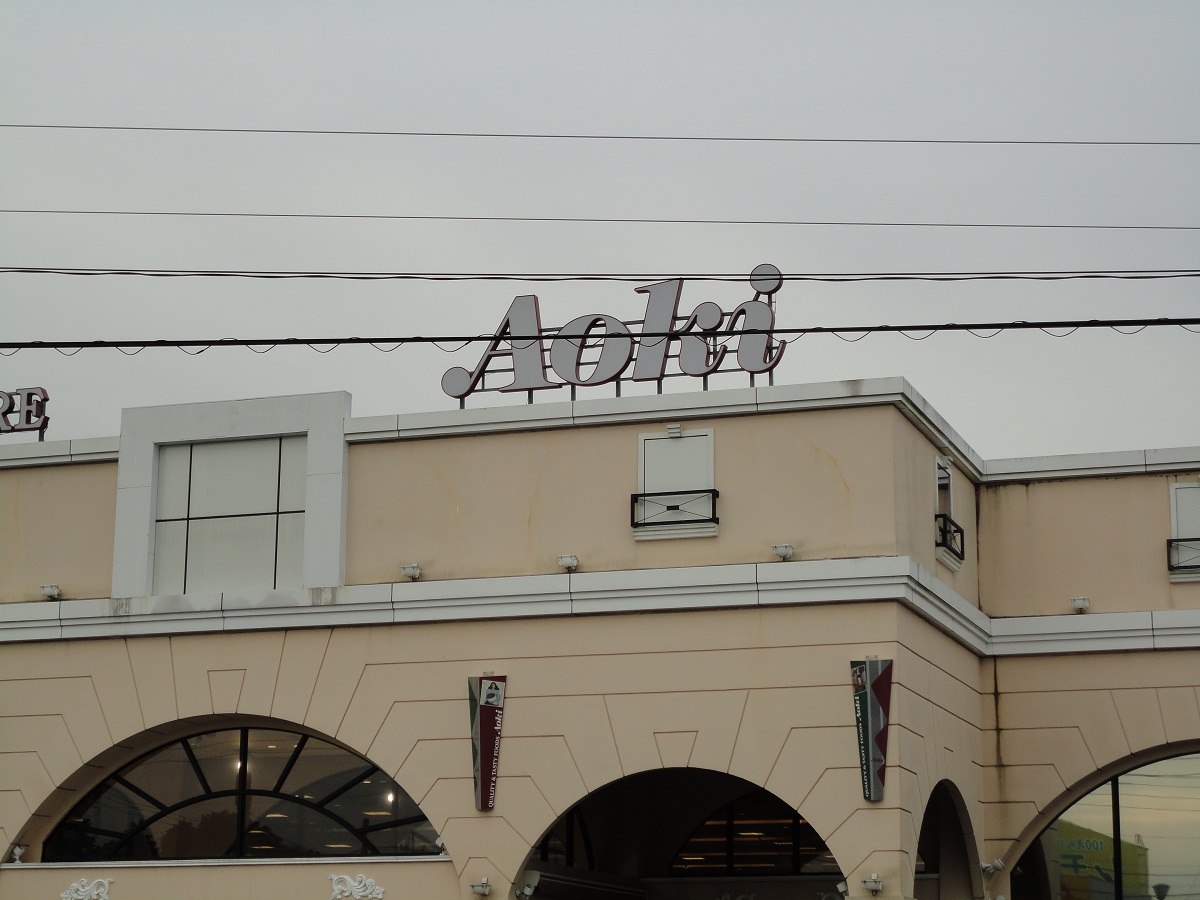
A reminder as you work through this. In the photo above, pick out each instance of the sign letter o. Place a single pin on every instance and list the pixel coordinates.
(616, 350)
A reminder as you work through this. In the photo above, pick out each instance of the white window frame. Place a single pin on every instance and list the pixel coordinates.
(320, 417)
(683, 529)
(942, 466)
(1176, 489)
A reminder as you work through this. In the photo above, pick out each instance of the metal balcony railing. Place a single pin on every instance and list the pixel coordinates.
(950, 536)
(1183, 555)
(672, 508)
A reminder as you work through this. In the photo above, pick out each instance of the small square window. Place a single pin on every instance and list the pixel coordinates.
(949, 538)
(676, 494)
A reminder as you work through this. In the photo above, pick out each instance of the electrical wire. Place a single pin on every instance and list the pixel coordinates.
(1062, 275)
(511, 135)
(837, 330)
(601, 220)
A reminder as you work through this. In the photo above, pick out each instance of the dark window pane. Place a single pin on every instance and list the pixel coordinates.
(279, 827)
(167, 776)
(204, 830)
(374, 800)
(217, 753)
(321, 769)
(268, 753)
(419, 838)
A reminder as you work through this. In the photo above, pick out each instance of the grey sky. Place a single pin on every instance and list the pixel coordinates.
(1015, 71)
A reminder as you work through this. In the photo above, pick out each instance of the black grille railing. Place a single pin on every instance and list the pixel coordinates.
(950, 536)
(672, 508)
(1183, 555)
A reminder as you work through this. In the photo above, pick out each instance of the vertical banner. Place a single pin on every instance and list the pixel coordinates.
(486, 696)
(872, 680)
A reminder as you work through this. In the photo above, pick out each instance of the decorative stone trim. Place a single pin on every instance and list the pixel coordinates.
(81, 890)
(361, 888)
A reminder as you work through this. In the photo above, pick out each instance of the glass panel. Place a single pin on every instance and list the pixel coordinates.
(293, 466)
(321, 769)
(170, 551)
(217, 753)
(234, 477)
(1079, 848)
(282, 828)
(267, 753)
(289, 561)
(1160, 828)
(373, 801)
(231, 554)
(403, 840)
(115, 809)
(204, 830)
(174, 464)
(167, 776)
(762, 836)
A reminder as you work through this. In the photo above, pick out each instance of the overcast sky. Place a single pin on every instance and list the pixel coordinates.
(1036, 71)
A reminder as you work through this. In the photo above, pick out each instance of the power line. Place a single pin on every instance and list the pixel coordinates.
(1044, 275)
(511, 135)
(1071, 325)
(616, 220)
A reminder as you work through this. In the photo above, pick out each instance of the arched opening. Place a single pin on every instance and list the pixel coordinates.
(1134, 837)
(679, 834)
(242, 793)
(944, 857)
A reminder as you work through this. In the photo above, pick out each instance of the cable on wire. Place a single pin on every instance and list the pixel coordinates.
(633, 277)
(525, 341)
(601, 220)
(516, 135)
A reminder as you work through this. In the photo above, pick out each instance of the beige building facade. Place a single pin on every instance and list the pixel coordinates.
(268, 609)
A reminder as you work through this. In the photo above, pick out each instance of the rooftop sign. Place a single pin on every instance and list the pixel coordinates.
(596, 349)
(24, 410)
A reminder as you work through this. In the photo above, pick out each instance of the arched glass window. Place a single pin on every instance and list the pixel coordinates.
(757, 834)
(1135, 837)
(243, 793)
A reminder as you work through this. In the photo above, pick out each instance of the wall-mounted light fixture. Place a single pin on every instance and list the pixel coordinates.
(996, 865)
(783, 551)
(50, 592)
(413, 572)
(1081, 604)
(874, 884)
(482, 889)
(843, 889)
(568, 561)
(17, 850)
(531, 883)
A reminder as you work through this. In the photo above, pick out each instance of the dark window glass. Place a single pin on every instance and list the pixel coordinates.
(243, 792)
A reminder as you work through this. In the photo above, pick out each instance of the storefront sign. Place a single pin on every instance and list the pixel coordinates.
(24, 410)
(486, 696)
(519, 342)
(872, 680)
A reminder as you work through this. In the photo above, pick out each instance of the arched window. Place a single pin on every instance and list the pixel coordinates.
(243, 793)
(755, 835)
(1135, 837)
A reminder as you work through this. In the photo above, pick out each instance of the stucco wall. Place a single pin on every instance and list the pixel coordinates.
(1044, 542)
(761, 694)
(57, 528)
(509, 504)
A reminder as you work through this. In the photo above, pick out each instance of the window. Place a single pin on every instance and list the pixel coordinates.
(208, 453)
(1134, 837)
(230, 516)
(676, 497)
(243, 793)
(949, 537)
(1183, 550)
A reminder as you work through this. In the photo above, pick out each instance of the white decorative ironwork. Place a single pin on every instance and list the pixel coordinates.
(97, 890)
(361, 888)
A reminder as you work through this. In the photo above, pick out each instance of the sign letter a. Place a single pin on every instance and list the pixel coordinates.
(524, 320)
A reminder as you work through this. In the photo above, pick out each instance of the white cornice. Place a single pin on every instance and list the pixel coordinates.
(834, 581)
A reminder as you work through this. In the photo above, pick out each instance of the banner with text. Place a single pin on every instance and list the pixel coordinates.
(486, 697)
(872, 680)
